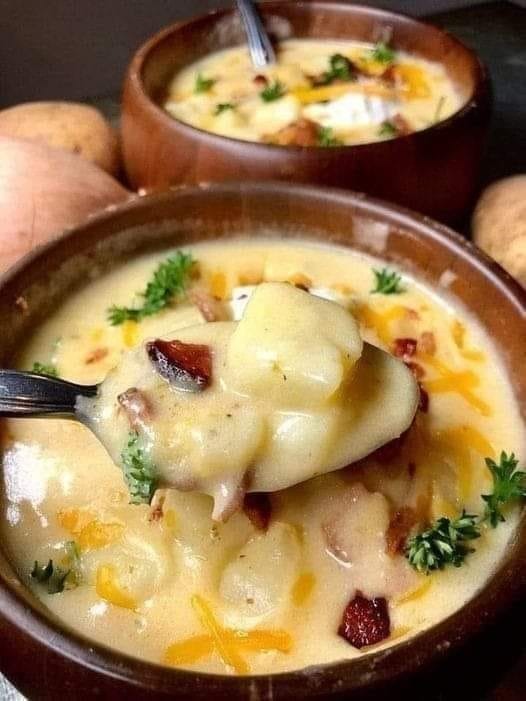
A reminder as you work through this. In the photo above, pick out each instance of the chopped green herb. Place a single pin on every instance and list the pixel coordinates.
(56, 577)
(139, 473)
(42, 369)
(387, 282)
(223, 107)
(273, 91)
(340, 68)
(203, 84)
(42, 573)
(508, 484)
(387, 129)
(383, 53)
(438, 110)
(168, 282)
(442, 544)
(326, 138)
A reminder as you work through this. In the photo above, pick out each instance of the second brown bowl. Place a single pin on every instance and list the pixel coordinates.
(433, 171)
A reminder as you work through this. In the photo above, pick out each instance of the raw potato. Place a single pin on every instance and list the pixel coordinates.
(74, 127)
(44, 191)
(499, 224)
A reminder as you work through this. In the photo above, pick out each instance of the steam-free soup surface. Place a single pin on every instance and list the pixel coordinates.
(269, 589)
(319, 93)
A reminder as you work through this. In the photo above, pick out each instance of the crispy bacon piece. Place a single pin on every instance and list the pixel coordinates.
(399, 528)
(260, 80)
(157, 506)
(365, 621)
(187, 366)
(404, 348)
(401, 125)
(303, 132)
(423, 402)
(96, 355)
(136, 407)
(389, 451)
(427, 343)
(211, 308)
(258, 507)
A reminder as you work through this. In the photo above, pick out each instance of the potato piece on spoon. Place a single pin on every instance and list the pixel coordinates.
(285, 394)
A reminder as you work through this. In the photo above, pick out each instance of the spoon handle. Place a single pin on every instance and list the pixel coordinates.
(259, 44)
(27, 394)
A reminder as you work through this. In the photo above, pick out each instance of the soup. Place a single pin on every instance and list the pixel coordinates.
(328, 569)
(319, 93)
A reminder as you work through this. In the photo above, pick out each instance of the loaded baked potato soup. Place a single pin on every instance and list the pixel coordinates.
(319, 93)
(308, 456)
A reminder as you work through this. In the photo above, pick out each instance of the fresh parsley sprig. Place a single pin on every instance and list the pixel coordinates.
(388, 282)
(169, 281)
(223, 107)
(340, 68)
(273, 91)
(138, 471)
(55, 577)
(327, 138)
(42, 369)
(203, 84)
(387, 129)
(508, 484)
(383, 53)
(442, 544)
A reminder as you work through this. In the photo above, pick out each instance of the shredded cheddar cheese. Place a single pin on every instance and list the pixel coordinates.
(415, 593)
(218, 286)
(108, 588)
(379, 321)
(303, 588)
(130, 333)
(462, 382)
(414, 83)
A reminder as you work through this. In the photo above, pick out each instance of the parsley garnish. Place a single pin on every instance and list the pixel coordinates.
(203, 84)
(442, 544)
(272, 92)
(445, 542)
(387, 282)
(508, 484)
(169, 281)
(56, 577)
(340, 68)
(139, 473)
(383, 53)
(326, 138)
(387, 129)
(223, 107)
(43, 369)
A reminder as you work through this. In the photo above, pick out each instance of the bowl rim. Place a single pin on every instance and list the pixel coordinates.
(370, 670)
(134, 75)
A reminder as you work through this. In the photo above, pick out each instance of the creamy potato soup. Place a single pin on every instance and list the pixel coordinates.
(331, 568)
(319, 93)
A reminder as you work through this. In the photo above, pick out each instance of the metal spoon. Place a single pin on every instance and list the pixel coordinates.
(259, 44)
(27, 394)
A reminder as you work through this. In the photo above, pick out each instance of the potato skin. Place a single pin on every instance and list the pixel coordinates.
(499, 224)
(67, 125)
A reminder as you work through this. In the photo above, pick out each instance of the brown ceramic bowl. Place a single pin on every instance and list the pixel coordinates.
(45, 659)
(432, 171)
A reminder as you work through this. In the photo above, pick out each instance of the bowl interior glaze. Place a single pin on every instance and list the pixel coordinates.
(33, 644)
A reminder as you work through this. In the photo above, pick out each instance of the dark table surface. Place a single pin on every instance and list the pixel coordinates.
(494, 667)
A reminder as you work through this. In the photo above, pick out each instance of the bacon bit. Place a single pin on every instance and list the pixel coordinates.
(211, 308)
(417, 370)
(404, 348)
(428, 343)
(260, 80)
(188, 366)
(423, 402)
(21, 304)
(303, 132)
(96, 355)
(388, 452)
(402, 126)
(157, 506)
(258, 508)
(365, 621)
(399, 528)
(136, 407)
(389, 75)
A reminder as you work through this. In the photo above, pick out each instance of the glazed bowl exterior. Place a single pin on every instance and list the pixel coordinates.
(434, 171)
(46, 659)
